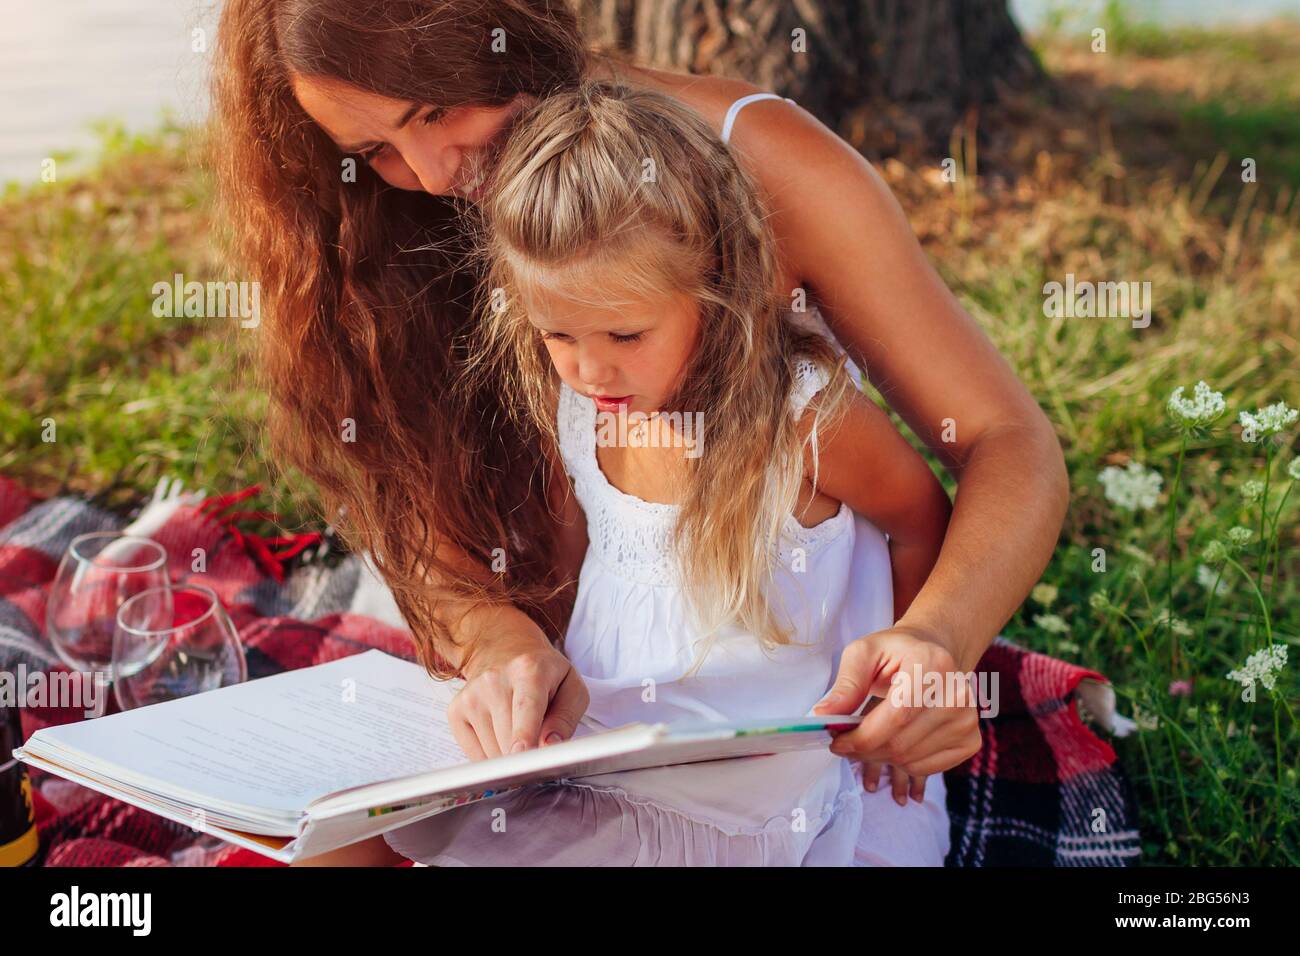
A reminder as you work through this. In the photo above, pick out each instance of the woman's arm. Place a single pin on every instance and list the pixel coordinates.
(863, 461)
(840, 229)
(520, 691)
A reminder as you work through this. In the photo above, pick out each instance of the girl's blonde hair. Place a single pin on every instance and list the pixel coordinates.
(606, 181)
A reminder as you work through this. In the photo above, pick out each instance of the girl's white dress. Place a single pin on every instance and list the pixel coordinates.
(631, 640)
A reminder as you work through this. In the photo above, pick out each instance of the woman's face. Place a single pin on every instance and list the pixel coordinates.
(443, 151)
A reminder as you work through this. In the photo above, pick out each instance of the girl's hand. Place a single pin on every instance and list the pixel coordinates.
(520, 693)
(916, 740)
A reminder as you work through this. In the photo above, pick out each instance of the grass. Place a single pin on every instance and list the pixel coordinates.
(101, 391)
(1135, 176)
(1144, 185)
(1181, 96)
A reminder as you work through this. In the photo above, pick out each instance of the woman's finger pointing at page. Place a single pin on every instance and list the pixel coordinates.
(463, 731)
(529, 707)
(499, 732)
(567, 707)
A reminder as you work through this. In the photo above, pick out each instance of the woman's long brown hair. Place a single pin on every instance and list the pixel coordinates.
(367, 291)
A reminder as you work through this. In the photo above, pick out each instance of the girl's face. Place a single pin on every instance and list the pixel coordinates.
(443, 151)
(628, 357)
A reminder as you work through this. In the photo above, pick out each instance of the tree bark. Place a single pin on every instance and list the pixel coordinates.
(890, 76)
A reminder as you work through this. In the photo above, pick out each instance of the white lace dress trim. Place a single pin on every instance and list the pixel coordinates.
(634, 537)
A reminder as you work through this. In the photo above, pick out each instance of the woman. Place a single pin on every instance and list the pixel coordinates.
(353, 140)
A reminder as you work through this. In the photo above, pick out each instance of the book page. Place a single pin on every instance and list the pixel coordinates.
(277, 743)
(631, 747)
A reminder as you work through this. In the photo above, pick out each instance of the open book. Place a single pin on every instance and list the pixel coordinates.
(314, 759)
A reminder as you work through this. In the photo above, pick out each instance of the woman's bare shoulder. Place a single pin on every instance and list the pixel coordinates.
(785, 147)
(777, 131)
(710, 96)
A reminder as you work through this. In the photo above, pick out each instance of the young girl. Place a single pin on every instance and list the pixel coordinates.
(734, 485)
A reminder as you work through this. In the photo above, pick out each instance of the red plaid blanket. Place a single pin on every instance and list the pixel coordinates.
(1044, 790)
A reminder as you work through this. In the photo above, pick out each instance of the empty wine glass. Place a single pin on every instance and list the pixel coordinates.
(98, 573)
(174, 642)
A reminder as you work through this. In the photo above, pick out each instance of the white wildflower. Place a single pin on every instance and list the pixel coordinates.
(1044, 594)
(1133, 488)
(1239, 537)
(1052, 623)
(1176, 624)
(1263, 666)
(1215, 552)
(1266, 421)
(1208, 578)
(1200, 410)
(1293, 469)
(1252, 490)
(1144, 720)
(1099, 601)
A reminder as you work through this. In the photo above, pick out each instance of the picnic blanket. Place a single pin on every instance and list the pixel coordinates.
(1044, 790)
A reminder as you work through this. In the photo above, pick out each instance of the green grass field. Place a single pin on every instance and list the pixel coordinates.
(1145, 184)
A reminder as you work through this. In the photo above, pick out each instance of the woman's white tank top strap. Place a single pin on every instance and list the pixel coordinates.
(740, 104)
(812, 319)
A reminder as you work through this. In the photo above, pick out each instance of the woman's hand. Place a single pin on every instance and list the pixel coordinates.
(520, 693)
(914, 740)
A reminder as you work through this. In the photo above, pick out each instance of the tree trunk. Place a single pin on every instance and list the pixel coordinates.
(889, 75)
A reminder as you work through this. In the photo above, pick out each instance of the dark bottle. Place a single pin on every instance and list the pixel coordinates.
(19, 842)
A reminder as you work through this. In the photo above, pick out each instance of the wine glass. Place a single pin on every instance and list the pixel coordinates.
(174, 642)
(98, 573)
